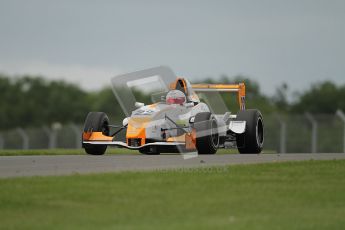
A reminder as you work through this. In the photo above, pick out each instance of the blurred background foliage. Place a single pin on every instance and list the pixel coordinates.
(30, 101)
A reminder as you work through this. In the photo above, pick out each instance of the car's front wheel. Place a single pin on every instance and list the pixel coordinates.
(96, 122)
(207, 137)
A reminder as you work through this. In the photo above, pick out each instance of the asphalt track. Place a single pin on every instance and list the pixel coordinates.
(14, 166)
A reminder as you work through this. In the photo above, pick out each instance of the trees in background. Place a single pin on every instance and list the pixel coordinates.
(324, 97)
(34, 101)
(280, 98)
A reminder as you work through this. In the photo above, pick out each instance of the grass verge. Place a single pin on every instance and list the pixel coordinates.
(291, 195)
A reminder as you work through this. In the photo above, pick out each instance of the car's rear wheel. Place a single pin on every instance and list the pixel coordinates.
(252, 140)
(207, 137)
(96, 122)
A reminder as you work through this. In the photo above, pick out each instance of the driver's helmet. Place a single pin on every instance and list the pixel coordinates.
(175, 97)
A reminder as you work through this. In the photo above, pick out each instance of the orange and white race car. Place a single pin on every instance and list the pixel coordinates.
(176, 120)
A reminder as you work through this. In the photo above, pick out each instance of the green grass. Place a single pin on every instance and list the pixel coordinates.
(299, 195)
(110, 151)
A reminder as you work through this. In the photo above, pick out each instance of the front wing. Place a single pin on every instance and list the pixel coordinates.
(124, 145)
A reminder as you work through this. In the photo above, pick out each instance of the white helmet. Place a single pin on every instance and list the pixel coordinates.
(175, 97)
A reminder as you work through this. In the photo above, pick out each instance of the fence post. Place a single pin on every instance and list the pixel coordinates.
(282, 137)
(313, 122)
(24, 137)
(51, 134)
(2, 142)
(77, 133)
(341, 115)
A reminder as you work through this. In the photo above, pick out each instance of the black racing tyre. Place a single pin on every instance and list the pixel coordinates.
(252, 140)
(96, 122)
(207, 137)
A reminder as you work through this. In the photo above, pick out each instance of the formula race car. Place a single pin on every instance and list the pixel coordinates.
(176, 120)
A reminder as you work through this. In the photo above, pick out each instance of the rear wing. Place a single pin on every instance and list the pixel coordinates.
(240, 89)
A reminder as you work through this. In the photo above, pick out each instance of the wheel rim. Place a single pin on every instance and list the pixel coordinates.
(260, 132)
(214, 133)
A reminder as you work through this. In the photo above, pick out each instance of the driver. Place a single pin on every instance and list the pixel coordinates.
(185, 87)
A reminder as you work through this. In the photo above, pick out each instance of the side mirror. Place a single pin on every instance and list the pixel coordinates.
(139, 104)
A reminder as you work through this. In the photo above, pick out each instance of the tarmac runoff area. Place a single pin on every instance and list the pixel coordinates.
(18, 166)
